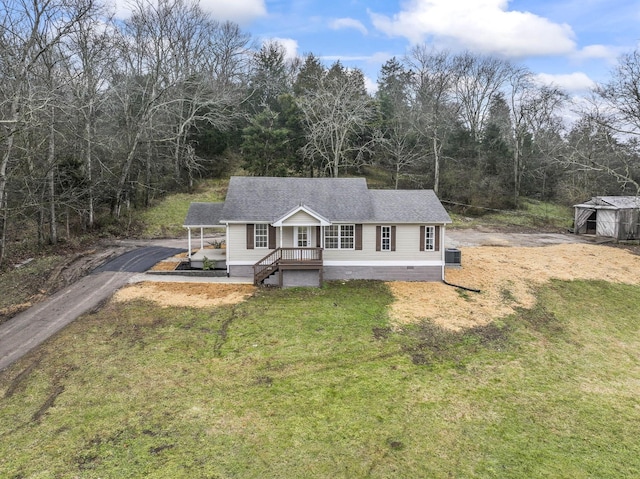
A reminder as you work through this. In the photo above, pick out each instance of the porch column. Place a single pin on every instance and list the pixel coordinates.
(189, 236)
(201, 237)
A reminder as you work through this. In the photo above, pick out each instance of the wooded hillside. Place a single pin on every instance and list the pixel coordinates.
(99, 115)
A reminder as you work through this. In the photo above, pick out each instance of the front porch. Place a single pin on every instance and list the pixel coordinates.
(290, 267)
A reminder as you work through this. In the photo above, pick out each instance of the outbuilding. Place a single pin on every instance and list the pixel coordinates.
(609, 216)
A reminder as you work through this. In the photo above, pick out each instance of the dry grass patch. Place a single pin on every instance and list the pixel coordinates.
(197, 295)
(507, 278)
(165, 266)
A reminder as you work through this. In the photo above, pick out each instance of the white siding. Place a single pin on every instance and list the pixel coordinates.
(407, 248)
(237, 246)
(301, 218)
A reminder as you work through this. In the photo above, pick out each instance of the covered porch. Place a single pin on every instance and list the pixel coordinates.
(297, 259)
(206, 251)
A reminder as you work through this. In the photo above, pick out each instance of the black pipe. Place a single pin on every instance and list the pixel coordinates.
(461, 287)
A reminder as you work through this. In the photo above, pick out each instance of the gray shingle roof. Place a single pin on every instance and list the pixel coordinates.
(407, 206)
(204, 214)
(268, 199)
(341, 200)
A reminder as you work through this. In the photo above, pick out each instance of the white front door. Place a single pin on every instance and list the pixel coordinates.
(302, 236)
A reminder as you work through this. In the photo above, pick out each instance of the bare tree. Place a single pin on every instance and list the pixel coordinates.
(534, 114)
(29, 29)
(477, 80)
(433, 109)
(89, 50)
(337, 117)
(619, 99)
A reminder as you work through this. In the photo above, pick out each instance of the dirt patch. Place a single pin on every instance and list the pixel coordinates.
(507, 278)
(197, 295)
(165, 266)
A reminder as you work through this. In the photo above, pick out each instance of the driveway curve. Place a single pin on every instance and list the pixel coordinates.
(32, 327)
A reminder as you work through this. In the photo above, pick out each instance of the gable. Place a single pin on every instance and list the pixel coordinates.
(301, 216)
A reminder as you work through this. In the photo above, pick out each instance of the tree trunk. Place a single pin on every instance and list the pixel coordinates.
(88, 130)
(436, 165)
(8, 150)
(51, 180)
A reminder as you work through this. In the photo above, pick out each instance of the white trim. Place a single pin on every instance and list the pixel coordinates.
(339, 237)
(255, 236)
(226, 240)
(357, 263)
(205, 226)
(382, 238)
(280, 222)
(383, 263)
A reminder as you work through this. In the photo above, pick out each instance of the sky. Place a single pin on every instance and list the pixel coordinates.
(571, 43)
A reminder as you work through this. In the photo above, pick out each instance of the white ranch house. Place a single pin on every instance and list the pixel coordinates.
(301, 231)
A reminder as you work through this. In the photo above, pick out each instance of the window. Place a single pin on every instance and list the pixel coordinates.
(429, 238)
(385, 244)
(261, 235)
(339, 237)
(302, 236)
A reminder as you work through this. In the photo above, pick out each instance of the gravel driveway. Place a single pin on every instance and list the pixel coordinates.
(456, 238)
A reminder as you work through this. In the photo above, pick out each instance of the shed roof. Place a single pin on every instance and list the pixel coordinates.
(616, 202)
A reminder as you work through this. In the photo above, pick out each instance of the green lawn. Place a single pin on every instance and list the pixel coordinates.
(165, 219)
(314, 383)
(532, 214)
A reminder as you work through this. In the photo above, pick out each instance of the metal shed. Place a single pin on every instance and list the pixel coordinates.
(609, 216)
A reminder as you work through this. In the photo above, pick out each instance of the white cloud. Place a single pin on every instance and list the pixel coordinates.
(341, 23)
(239, 11)
(290, 46)
(484, 26)
(600, 52)
(370, 85)
(576, 82)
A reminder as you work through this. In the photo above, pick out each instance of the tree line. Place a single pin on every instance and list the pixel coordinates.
(99, 115)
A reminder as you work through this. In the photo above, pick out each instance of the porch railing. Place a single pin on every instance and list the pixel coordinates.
(286, 257)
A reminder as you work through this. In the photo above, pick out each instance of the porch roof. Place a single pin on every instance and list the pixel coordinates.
(204, 215)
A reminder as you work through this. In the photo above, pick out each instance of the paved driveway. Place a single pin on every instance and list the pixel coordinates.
(32, 327)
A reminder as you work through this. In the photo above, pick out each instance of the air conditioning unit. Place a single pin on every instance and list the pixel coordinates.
(452, 257)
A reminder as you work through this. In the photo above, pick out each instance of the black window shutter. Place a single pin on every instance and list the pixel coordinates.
(250, 236)
(318, 233)
(436, 240)
(358, 238)
(393, 238)
(272, 237)
(378, 238)
(422, 238)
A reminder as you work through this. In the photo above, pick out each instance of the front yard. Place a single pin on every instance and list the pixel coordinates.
(339, 383)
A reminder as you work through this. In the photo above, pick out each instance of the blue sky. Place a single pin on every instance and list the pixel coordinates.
(572, 43)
